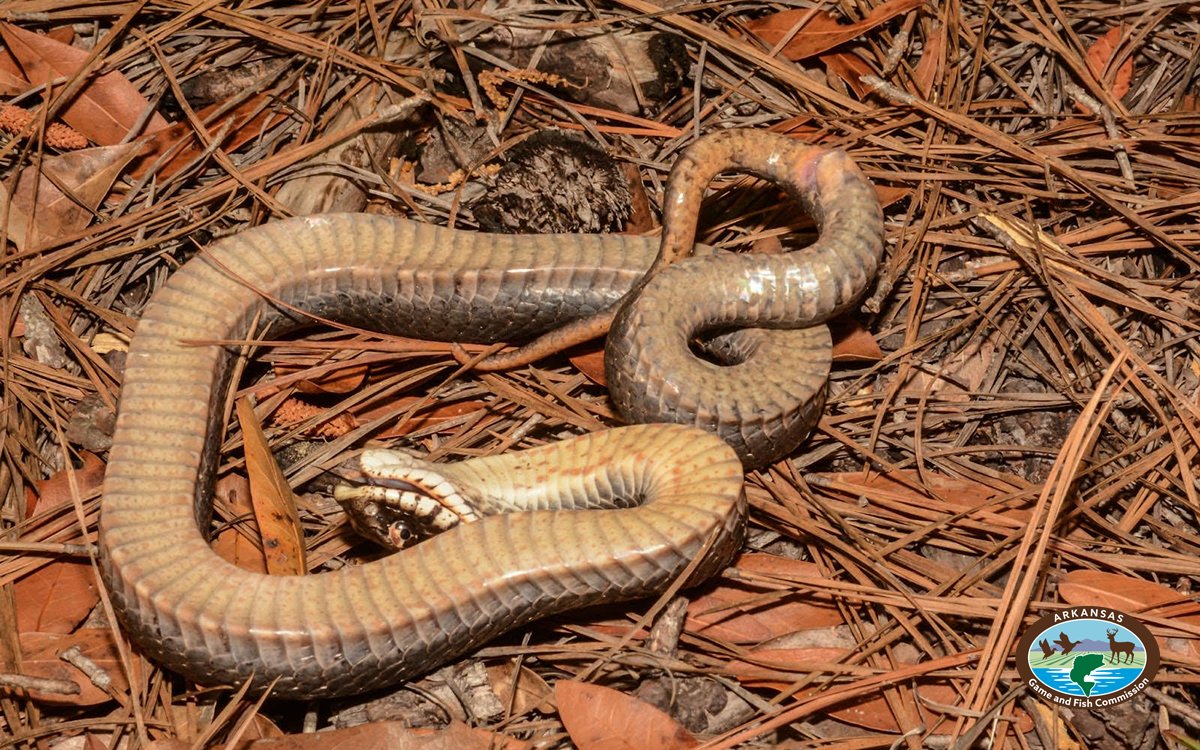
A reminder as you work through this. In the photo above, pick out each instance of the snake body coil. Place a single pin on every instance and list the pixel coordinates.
(372, 625)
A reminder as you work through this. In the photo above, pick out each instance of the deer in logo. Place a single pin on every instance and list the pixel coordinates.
(1118, 648)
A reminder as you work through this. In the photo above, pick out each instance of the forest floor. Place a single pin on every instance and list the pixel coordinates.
(1012, 420)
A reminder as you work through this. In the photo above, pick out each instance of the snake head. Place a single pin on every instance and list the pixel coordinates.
(398, 500)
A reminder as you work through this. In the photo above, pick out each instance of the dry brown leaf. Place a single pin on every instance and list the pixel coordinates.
(11, 83)
(822, 31)
(849, 66)
(9, 65)
(762, 667)
(531, 691)
(589, 359)
(852, 342)
(56, 598)
(239, 126)
(932, 62)
(600, 718)
(62, 34)
(1094, 588)
(432, 414)
(1098, 56)
(272, 498)
(40, 659)
(342, 380)
(231, 544)
(106, 110)
(56, 490)
(742, 612)
(39, 211)
(393, 735)
(1126, 593)
(954, 494)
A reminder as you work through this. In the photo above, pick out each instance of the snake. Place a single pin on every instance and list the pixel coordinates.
(613, 515)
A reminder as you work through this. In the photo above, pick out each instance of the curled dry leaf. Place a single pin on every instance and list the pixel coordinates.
(238, 126)
(106, 110)
(1094, 588)
(600, 718)
(933, 60)
(822, 31)
(272, 497)
(39, 211)
(746, 612)
(40, 658)
(529, 693)
(850, 67)
(345, 379)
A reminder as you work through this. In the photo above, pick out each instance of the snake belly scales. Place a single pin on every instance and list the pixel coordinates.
(379, 623)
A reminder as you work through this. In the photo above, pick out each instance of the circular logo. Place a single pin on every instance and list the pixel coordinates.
(1087, 657)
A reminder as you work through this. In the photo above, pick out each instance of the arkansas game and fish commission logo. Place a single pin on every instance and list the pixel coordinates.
(1087, 657)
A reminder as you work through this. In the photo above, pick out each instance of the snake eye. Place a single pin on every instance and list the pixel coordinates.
(401, 534)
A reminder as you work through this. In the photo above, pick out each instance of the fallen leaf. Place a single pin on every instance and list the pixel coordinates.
(933, 61)
(1094, 588)
(946, 493)
(600, 718)
(40, 659)
(56, 598)
(39, 210)
(822, 31)
(56, 490)
(272, 498)
(1126, 593)
(342, 380)
(852, 342)
(589, 359)
(1101, 53)
(850, 67)
(431, 414)
(530, 692)
(744, 612)
(62, 34)
(238, 126)
(11, 83)
(232, 544)
(106, 109)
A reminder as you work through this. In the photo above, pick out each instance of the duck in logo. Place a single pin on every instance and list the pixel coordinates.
(1087, 657)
